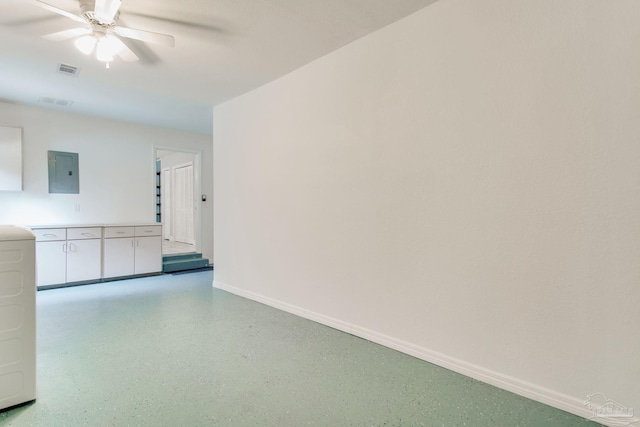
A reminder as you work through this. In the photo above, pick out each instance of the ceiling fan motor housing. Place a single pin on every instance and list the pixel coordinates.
(87, 7)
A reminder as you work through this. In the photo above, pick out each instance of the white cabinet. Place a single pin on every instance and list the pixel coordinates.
(118, 252)
(148, 258)
(17, 317)
(132, 250)
(83, 260)
(51, 255)
(68, 254)
(84, 252)
(51, 263)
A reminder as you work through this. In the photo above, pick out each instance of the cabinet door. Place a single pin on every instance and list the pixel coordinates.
(148, 254)
(83, 260)
(118, 257)
(51, 263)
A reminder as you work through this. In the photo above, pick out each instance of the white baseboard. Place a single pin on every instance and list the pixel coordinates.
(549, 397)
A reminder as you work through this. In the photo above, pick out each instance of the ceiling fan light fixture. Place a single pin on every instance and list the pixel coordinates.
(107, 48)
(100, 32)
(86, 44)
(103, 54)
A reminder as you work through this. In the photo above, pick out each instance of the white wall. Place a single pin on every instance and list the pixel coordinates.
(463, 185)
(117, 170)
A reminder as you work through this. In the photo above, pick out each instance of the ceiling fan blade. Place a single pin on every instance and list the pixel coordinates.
(145, 36)
(124, 52)
(57, 10)
(220, 28)
(67, 34)
(105, 10)
(141, 50)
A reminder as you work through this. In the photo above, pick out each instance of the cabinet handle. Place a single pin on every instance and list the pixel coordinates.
(72, 247)
(64, 247)
(87, 234)
(131, 243)
(119, 232)
(49, 235)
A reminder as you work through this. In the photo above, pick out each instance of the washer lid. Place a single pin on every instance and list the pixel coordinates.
(11, 233)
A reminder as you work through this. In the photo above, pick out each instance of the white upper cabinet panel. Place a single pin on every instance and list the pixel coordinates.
(10, 159)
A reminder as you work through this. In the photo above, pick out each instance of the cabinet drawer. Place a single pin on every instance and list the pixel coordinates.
(151, 230)
(49, 234)
(84, 233)
(111, 232)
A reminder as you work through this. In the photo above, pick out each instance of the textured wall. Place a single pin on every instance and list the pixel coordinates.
(462, 185)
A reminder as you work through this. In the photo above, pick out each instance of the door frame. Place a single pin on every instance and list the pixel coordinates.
(197, 187)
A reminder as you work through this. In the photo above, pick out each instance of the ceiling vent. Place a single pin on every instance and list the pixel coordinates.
(54, 101)
(68, 70)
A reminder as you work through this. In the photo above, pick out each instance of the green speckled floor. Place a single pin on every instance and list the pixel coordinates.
(173, 351)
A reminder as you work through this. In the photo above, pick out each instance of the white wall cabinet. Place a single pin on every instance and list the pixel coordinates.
(10, 158)
(132, 250)
(77, 254)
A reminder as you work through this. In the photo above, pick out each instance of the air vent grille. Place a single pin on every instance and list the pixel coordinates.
(54, 101)
(68, 70)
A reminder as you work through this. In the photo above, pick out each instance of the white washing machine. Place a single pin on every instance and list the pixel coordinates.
(17, 316)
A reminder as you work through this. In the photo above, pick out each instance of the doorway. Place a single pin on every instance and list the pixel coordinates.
(178, 182)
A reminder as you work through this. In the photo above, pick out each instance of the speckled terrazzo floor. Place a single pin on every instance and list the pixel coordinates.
(173, 351)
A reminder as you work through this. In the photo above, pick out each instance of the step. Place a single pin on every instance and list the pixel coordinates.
(178, 257)
(184, 264)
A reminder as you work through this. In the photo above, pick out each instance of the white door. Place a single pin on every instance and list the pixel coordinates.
(166, 204)
(183, 208)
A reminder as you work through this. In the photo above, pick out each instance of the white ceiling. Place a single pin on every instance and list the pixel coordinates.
(224, 48)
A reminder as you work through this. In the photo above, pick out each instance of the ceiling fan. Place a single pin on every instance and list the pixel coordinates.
(101, 31)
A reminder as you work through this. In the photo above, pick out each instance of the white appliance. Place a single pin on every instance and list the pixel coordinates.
(17, 316)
